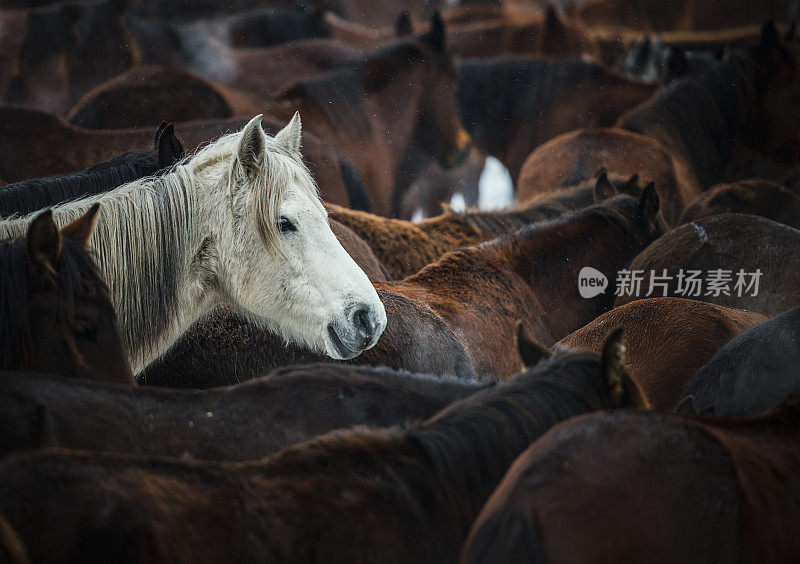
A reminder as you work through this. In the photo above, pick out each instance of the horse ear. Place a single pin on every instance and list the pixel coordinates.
(649, 204)
(43, 244)
(402, 27)
(612, 364)
(159, 131)
(291, 135)
(603, 188)
(81, 229)
(677, 64)
(771, 50)
(169, 147)
(530, 350)
(253, 146)
(438, 33)
(552, 22)
(686, 406)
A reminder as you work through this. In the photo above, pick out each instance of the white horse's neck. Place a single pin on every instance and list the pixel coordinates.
(156, 253)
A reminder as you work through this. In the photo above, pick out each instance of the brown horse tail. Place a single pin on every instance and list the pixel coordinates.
(504, 536)
(12, 551)
(356, 191)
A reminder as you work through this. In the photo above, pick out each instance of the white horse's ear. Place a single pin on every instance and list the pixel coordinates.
(290, 135)
(253, 146)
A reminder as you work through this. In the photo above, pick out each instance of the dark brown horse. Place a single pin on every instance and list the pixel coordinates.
(244, 422)
(725, 122)
(379, 107)
(752, 373)
(28, 196)
(404, 247)
(23, 155)
(64, 50)
(734, 260)
(394, 495)
(574, 157)
(225, 348)
(647, 487)
(754, 196)
(137, 97)
(55, 312)
(512, 105)
(667, 339)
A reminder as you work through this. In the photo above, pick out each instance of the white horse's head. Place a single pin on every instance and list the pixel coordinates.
(279, 259)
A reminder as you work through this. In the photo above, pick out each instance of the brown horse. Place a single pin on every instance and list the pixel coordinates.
(532, 275)
(287, 407)
(64, 50)
(23, 154)
(714, 259)
(404, 247)
(668, 340)
(379, 107)
(754, 196)
(512, 105)
(645, 487)
(574, 157)
(55, 312)
(727, 121)
(360, 495)
(137, 97)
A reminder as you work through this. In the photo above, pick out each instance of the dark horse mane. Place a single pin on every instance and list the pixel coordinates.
(75, 264)
(28, 196)
(488, 428)
(702, 115)
(494, 87)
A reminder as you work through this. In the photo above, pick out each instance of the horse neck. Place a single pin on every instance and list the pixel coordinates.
(549, 258)
(471, 444)
(145, 240)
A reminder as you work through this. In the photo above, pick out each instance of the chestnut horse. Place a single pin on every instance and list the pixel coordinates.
(754, 196)
(668, 340)
(727, 121)
(512, 105)
(714, 259)
(287, 407)
(572, 158)
(55, 312)
(682, 490)
(752, 373)
(395, 495)
(28, 196)
(23, 155)
(405, 248)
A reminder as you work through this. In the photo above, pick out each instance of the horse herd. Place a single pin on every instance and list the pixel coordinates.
(223, 338)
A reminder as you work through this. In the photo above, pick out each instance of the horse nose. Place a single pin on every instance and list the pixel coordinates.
(366, 323)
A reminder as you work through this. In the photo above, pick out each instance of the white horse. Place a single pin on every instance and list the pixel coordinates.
(238, 222)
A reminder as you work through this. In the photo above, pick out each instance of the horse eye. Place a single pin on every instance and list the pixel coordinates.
(287, 226)
(83, 330)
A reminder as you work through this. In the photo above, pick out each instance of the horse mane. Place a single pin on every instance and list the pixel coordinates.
(75, 265)
(489, 89)
(703, 115)
(144, 233)
(471, 443)
(22, 198)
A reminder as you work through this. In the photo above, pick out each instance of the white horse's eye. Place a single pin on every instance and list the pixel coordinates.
(287, 226)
